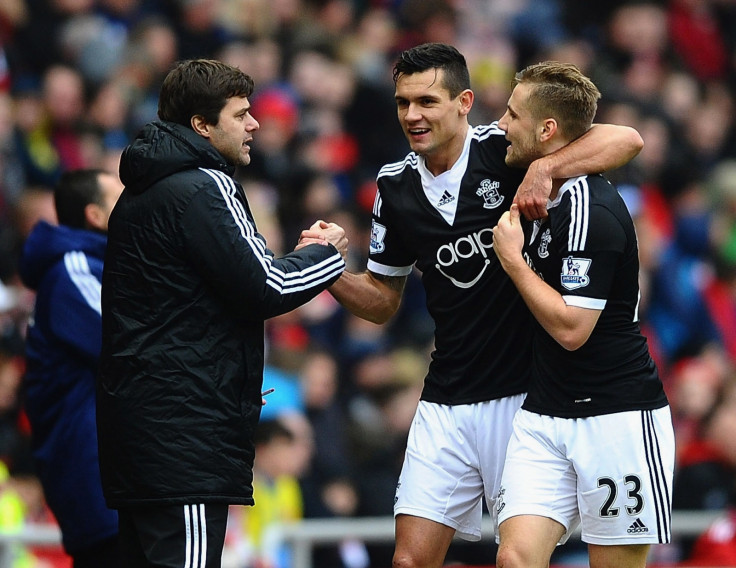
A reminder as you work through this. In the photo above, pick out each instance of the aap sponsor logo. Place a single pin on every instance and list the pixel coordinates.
(474, 244)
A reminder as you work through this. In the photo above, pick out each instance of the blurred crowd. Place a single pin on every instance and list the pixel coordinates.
(79, 78)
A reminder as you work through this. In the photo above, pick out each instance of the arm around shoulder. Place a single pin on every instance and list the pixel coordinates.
(604, 147)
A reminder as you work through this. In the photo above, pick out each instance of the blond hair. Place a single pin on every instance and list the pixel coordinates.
(562, 92)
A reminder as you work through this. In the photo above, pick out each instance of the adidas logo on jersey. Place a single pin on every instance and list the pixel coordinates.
(445, 199)
(637, 527)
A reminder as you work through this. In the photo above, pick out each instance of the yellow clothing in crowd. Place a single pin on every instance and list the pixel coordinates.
(277, 501)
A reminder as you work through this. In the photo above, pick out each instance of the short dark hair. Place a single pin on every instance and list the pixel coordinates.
(200, 87)
(272, 429)
(436, 56)
(75, 190)
(562, 91)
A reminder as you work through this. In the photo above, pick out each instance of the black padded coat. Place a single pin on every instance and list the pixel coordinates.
(187, 285)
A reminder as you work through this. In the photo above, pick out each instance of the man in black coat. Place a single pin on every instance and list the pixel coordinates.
(187, 285)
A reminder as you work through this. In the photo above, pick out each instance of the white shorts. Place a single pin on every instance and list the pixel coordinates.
(612, 474)
(454, 457)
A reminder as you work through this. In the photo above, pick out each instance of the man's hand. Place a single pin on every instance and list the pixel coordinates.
(324, 233)
(508, 238)
(532, 195)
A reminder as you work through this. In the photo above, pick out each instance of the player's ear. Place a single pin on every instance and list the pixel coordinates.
(466, 99)
(200, 126)
(547, 129)
(94, 216)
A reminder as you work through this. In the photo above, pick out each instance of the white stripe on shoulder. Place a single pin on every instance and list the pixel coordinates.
(226, 185)
(579, 215)
(282, 282)
(396, 168)
(86, 283)
(377, 203)
(486, 131)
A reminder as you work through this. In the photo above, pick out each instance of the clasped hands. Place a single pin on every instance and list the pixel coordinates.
(324, 233)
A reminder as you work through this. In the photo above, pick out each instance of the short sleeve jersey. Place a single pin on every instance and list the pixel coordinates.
(586, 249)
(443, 225)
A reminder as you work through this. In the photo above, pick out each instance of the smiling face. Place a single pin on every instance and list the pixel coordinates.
(521, 129)
(233, 132)
(434, 124)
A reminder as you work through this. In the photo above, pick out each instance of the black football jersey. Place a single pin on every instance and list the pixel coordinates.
(443, 226)
(586, 249)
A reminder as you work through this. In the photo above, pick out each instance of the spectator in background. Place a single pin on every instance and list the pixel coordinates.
(693, 386)
(320, 381)
(33, 146)
(283, 456)
(678, 313)
(708, 462)
(706, 470)
(15, 450)
(63, 265)
(64, 100)
(327, 484)
(717, 545)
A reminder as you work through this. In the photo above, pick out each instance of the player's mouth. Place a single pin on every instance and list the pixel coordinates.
(418, 131)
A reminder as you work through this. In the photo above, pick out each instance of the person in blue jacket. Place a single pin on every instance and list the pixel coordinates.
(63, 265)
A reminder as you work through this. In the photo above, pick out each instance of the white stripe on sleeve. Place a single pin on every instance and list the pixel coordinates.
(86, 283)
(284, 283)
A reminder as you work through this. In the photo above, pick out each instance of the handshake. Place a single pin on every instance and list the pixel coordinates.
(323, 233)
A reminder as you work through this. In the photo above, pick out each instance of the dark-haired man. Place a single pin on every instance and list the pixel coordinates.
(187, 285)
(436, 210)
(63, 265)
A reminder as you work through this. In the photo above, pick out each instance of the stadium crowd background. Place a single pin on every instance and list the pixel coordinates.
(78, 78)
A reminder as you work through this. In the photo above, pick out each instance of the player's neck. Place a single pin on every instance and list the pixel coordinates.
(556, 185)
(442, 161)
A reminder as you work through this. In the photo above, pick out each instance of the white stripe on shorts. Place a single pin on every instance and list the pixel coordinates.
(195, 525)
(657, 476)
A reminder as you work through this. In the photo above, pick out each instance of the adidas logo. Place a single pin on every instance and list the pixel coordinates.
(445, 199)
(637, 527)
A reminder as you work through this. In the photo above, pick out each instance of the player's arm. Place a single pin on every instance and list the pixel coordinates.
(368, 295)
(602, 148)
(570, 326)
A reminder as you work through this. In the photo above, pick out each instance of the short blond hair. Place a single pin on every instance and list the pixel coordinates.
(561, 91)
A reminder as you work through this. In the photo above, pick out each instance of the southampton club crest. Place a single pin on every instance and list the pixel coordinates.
(500, 503)
(488, 190)
(544, 240)
(575, 272)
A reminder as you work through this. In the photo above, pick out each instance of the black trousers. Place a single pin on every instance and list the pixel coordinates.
(173, 536)
(102, 554)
